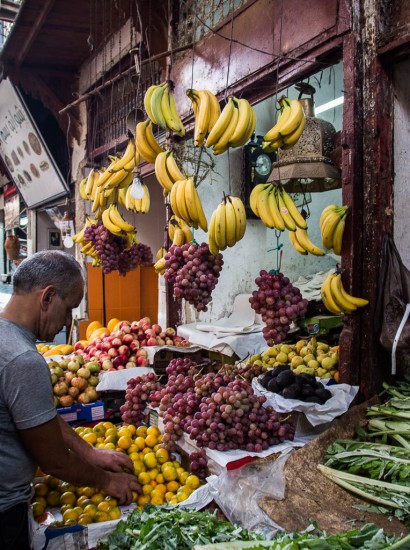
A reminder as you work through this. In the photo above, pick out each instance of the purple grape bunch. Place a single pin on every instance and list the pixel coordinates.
(193, 271)
(279, 303)
(113, 252)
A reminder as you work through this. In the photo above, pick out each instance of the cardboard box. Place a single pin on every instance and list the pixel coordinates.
(88, 413)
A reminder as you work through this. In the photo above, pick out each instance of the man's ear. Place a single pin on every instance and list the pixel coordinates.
(47, 295)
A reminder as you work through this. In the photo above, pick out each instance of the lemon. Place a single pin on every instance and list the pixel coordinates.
(150, 460)
(192, 481)
(151, 441)
(101, 516)
(90, 438)
(162, 455)
(139, 442)
(141, 431)
(169, 473)
(124, 442)
(68, 498)
(153, 430)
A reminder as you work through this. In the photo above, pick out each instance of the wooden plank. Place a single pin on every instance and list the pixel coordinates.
(35, 29)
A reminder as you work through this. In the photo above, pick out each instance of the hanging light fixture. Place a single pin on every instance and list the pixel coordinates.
(307, 166)
(137, 191)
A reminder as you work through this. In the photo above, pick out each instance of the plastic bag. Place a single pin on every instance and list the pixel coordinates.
(238, 493)
(394, 295)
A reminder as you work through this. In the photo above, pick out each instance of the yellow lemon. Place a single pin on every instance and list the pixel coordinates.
(109, 446)
(132, 429)
(151, 441)
(111, 500)
(68, 498)
(169, 473)
(144, 478)
(147, 489)
(153, 430)
(124, 442)
(134, 456)
(108, 425)
(141, 431)
(139, 442)
(90, 438)
(101, 516)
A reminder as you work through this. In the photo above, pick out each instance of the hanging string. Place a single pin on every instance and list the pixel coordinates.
(279, 253)
(230, 49)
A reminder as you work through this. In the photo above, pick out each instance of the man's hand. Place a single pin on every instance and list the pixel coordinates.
(113, 461)
(121, 486)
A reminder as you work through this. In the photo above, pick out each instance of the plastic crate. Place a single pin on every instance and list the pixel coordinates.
(88, 413)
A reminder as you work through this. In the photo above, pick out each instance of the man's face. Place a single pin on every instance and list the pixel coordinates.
(57, 312)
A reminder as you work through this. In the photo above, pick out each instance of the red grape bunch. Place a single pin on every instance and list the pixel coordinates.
(198, 462)
(181, 366)
(137, 395)
(279, 303)
(194, 273)
(113, 252)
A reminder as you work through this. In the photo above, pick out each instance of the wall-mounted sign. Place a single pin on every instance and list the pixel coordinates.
(25, 153)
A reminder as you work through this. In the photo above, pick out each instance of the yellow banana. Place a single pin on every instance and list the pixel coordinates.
(295, 118)
(90, 183)
(190, 200)
(173, 199)
(159, 266)
(327, 297)
(173, 169)
(328, 228)
(146, 143)
(337, 239)
(220, 227)
(239, 135)
(202, 221)
(263, 207)
(326, 211)
(291, 139)
(304, 241)
(275, 214)
(272, 146)
(354, 300)
(169, 111)
(108, 223)
(284, 212)
(160, 253)
(172, 224)
(122, 194)
(187, 232)
(161, 171)
(179, 237)
(147, 101)
(106, 174)
(145, 201)
(98, 198)
(273, 135)
(293, 211)
(213, 247)
(126, 181)
(115, 179)
(340, 300)
(230, 222)
(95, 180)
(155, 105)
(223, 142)
(127, 158)
(81, 189)
(295, 243)
(118, 220)
(253, 199)
(214, 108)
(180, 198)
(221, 124)
(202, 118)
(240, 215)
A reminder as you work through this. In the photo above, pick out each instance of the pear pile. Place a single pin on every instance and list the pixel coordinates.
(308, 356)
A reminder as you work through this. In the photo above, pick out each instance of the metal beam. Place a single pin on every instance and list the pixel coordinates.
(35, 29)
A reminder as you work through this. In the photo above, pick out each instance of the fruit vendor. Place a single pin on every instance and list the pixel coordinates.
(46, 287)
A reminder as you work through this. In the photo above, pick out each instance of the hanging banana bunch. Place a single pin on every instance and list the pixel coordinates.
(227, 225)
(179, 231)
(167, 171)
(145, 141)
(186, 204)
(288, 128)
(160, 106)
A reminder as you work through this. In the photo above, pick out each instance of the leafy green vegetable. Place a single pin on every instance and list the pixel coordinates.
(171, 528)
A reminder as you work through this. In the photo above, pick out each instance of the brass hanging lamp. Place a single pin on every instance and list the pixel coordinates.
(307, 166)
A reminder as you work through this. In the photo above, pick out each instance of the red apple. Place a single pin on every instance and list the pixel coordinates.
(113, 352)
(126, 329)
(157, 328)
(118, 334)
(135, 327)
(107, 364)
(78, 346)
(99, 345)
(117, 361)
(146, 326)
(116, 343)
(95, 341)
(142, 361)
(152, 342)
(143, 342)
(142, 353)
(177, 340)
(150, 332)
(98, 353)
(105, 346)
(128, 338)
(145, 320)
(124, 350)
(162, 335)
(170, 331)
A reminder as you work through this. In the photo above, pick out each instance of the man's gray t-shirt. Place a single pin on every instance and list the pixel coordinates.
(26, 401)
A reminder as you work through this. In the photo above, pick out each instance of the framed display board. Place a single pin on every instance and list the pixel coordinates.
(25, 153)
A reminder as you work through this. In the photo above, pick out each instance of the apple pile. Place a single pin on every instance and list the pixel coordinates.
(74, 380)
(124, 348)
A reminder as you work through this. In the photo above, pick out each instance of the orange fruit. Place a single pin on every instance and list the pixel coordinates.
(150, 460)
(141, 431)
(160, 478)
(153, 473)
(90, 509)
(65, 507)
(53, 497)
(70, 515)
(65, 487)
(143, 478)
(40, 489)
(142, 499)
(139, 442)
(51, 481)
(103, 506)
(97, 498)
(162, 455)
(114, 512)
(153, 430)
(169, 473)
(107, 425)
(192, 481)
(157, 498)
(183, 477)
(111, 500)
(68, 498)
(173, 486)
(132, 449)
(182, 494)
(124, 442)
(38, 509)
(151, 441)
(166, 465)
(91, 438)
(139, 467)
(87, 491)
(147, 489)
(161, 487)
(84, 519)
(168, 495)
(101, 516)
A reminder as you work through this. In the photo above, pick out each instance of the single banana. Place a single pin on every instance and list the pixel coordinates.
(179, 237)
(90, 183)
(182, 205)
(272, 146)
(156, 107)
(173, 169)
(273, 135)
(202, 221)
(276, 216)
(105, 176)
(213, 247)
(160, 253)
(126, 181)
(340, 300)
(326, 211)
(337, 239)
(160, 266)
(220, 227)
(295, 243)
(115, 179)
(221, 124)
(223, 143)
(118, 220)
(327, 296)
(145, 201)
(291, 139)
(230, 222)
(169, 110)
(329, 226)
(147, 101)
(96, 179)
(295, 118)
(108, 223)
(172, 224)
(290, 223)
(263, 207)
(122, 192)
(239, 135)
(214, 108)
(161, 171)
(304, 241)
(173, 199)
(187, 232)
(240, 214)
(202, 119)
(152, 142)
(146, 143)
(127, 158)
(354, 300)
(131, 164)
(81, 189)
(98, 197)
(253, 199)
(293, 211)
(190, 200)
